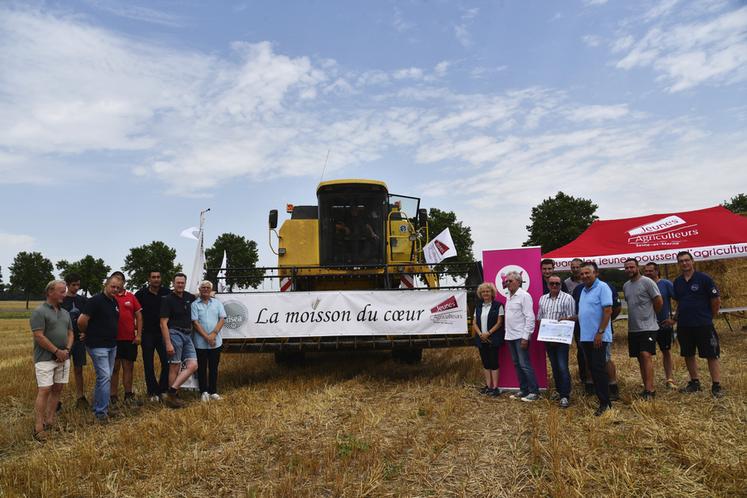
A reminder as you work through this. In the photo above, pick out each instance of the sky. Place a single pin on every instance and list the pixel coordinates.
(120, 121)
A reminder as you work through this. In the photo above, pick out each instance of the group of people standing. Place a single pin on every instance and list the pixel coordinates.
(182, 329)
(593, 305)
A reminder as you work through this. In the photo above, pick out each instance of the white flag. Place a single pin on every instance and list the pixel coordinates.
(440, 248)
(198, 268)
(190, 233)
(222, 285)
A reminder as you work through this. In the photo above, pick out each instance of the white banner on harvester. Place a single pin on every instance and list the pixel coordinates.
(344, 313)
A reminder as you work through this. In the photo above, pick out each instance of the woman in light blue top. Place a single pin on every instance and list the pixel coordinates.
(208, 317)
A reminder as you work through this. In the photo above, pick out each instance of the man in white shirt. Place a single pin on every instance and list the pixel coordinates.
(519, 328)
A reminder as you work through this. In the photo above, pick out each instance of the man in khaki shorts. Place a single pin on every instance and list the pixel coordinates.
(53, 339)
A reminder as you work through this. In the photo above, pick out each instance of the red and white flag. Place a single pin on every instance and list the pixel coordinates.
(440, 248)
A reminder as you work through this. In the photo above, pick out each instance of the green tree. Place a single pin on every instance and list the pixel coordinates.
(155, 256)
(558, 220)
(737, 204)
(92, 271)
(241, 261)
(30, 273)
(438, 221)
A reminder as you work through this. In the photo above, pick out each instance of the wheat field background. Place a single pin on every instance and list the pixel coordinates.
(363, 425)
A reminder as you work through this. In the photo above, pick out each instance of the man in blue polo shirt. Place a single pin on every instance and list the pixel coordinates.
(594, 314)
(698, 301)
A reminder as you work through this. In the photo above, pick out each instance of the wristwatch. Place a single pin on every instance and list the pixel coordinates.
(600, 332)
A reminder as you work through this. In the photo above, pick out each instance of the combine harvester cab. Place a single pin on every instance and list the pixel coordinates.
(351, 276)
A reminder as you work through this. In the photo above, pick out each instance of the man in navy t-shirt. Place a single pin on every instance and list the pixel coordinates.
(698, 301)
(665, 334)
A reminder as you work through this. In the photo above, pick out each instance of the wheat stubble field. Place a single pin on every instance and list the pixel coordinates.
(362, 425)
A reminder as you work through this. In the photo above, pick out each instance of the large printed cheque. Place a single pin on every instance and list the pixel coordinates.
(344, 313)
(556, 331)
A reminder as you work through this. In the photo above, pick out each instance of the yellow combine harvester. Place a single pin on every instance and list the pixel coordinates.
(358, 237)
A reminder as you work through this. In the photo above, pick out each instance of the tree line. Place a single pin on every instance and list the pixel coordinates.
(31, 271)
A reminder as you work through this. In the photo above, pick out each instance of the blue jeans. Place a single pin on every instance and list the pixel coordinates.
(558, 355)
(103, 365)
(523, 367)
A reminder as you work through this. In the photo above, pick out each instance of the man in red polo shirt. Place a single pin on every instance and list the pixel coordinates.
(129, 332)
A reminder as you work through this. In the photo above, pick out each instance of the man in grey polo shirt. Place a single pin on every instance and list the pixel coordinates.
(53, 339)
(644, 301)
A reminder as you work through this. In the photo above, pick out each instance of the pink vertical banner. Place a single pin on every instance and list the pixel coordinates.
(526, 261)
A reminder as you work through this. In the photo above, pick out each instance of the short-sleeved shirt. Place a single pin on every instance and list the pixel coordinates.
(615, 303)
(694, 299)
(178, 310)
(74, 305)
(103, 322)
(208, 314)
(55, 322)
(571, 284)
(639, 295)
(590, 310)
(666, 289)
(128, 306)
(151, 303)
(554, 309)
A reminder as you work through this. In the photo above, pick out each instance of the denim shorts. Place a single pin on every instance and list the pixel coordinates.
(184, 349)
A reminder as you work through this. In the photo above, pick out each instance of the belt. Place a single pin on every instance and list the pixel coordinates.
(183, 331)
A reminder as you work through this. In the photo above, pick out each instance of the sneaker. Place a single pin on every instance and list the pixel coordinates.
(564, 403)
(113, 400)
(518, 395)
(205, 397)
(671, 384)
(155, 398)
(614, 392)
(601, 410)
(102, 419)
(82, 403)
(495, 392)
(648, 395)
(531, 397)
(215, 397)
(717, 391)
(692, 387)
(172, 401)
(589, 388)
(485, 390)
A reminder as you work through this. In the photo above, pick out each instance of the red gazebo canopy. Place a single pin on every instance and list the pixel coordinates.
(712, 233)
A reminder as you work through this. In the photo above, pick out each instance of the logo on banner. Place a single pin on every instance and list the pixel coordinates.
(447, 305)
(236, 314)
(446, 311)
(669, 231)
(500, 279)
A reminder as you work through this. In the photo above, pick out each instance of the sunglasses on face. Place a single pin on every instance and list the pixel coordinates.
(554, 284)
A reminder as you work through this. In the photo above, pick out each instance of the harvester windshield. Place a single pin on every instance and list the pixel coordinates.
(352, 220)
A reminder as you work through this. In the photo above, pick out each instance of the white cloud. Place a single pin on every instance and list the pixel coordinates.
(462, 29)
(441, 68)
(591, 40)
(594, 2)
(399, 23)
(414, 73)
(597, 112)
(662, 8)
(686, 55)
(130, 10)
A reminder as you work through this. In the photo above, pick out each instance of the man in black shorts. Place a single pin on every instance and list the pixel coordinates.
(74, 303)
(644, 301)
(698, 302)
(664, 317)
